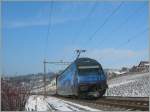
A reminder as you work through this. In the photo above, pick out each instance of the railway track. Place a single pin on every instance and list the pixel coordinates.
(132, 103)
(112, 102)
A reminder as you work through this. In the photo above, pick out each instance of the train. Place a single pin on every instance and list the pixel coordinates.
(84, 77)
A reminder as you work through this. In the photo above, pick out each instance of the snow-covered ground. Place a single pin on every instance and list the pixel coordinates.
(136, 85)
(39, 103)
(36, 103)
(49, 88)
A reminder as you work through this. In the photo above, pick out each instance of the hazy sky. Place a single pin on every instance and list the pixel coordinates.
(114, 33)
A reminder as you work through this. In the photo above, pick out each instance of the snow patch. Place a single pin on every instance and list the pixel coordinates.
(36, 103)
(135, 85)
(39, 103)
(121, 83)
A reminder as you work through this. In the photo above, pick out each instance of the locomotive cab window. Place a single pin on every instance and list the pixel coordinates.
(88, 69)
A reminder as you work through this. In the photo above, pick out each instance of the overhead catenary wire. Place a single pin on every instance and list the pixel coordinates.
(126, 20)
(106, 20)
(93, 7)
(123, 23)
(102, 25)
(133, 37)
(130, 39)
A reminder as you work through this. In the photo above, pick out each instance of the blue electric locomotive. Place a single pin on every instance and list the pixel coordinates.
(84, 77)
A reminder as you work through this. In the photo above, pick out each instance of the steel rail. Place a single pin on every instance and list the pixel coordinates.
(129, 104)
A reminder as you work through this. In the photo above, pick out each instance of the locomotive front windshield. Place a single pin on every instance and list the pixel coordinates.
(89, 69)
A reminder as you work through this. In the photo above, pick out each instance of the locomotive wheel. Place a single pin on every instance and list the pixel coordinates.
(102, 93)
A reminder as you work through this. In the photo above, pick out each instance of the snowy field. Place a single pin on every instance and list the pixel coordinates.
(136, 85)
(39, 103)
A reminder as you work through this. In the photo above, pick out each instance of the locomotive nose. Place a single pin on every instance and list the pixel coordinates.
(87, 81)
(88, 78)
(92, 82)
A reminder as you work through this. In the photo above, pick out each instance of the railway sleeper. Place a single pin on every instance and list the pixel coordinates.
(133, 106)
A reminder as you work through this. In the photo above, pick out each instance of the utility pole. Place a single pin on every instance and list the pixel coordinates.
(79, 51)
(44, 78)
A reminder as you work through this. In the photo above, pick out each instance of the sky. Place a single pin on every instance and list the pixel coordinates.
(113, 33)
